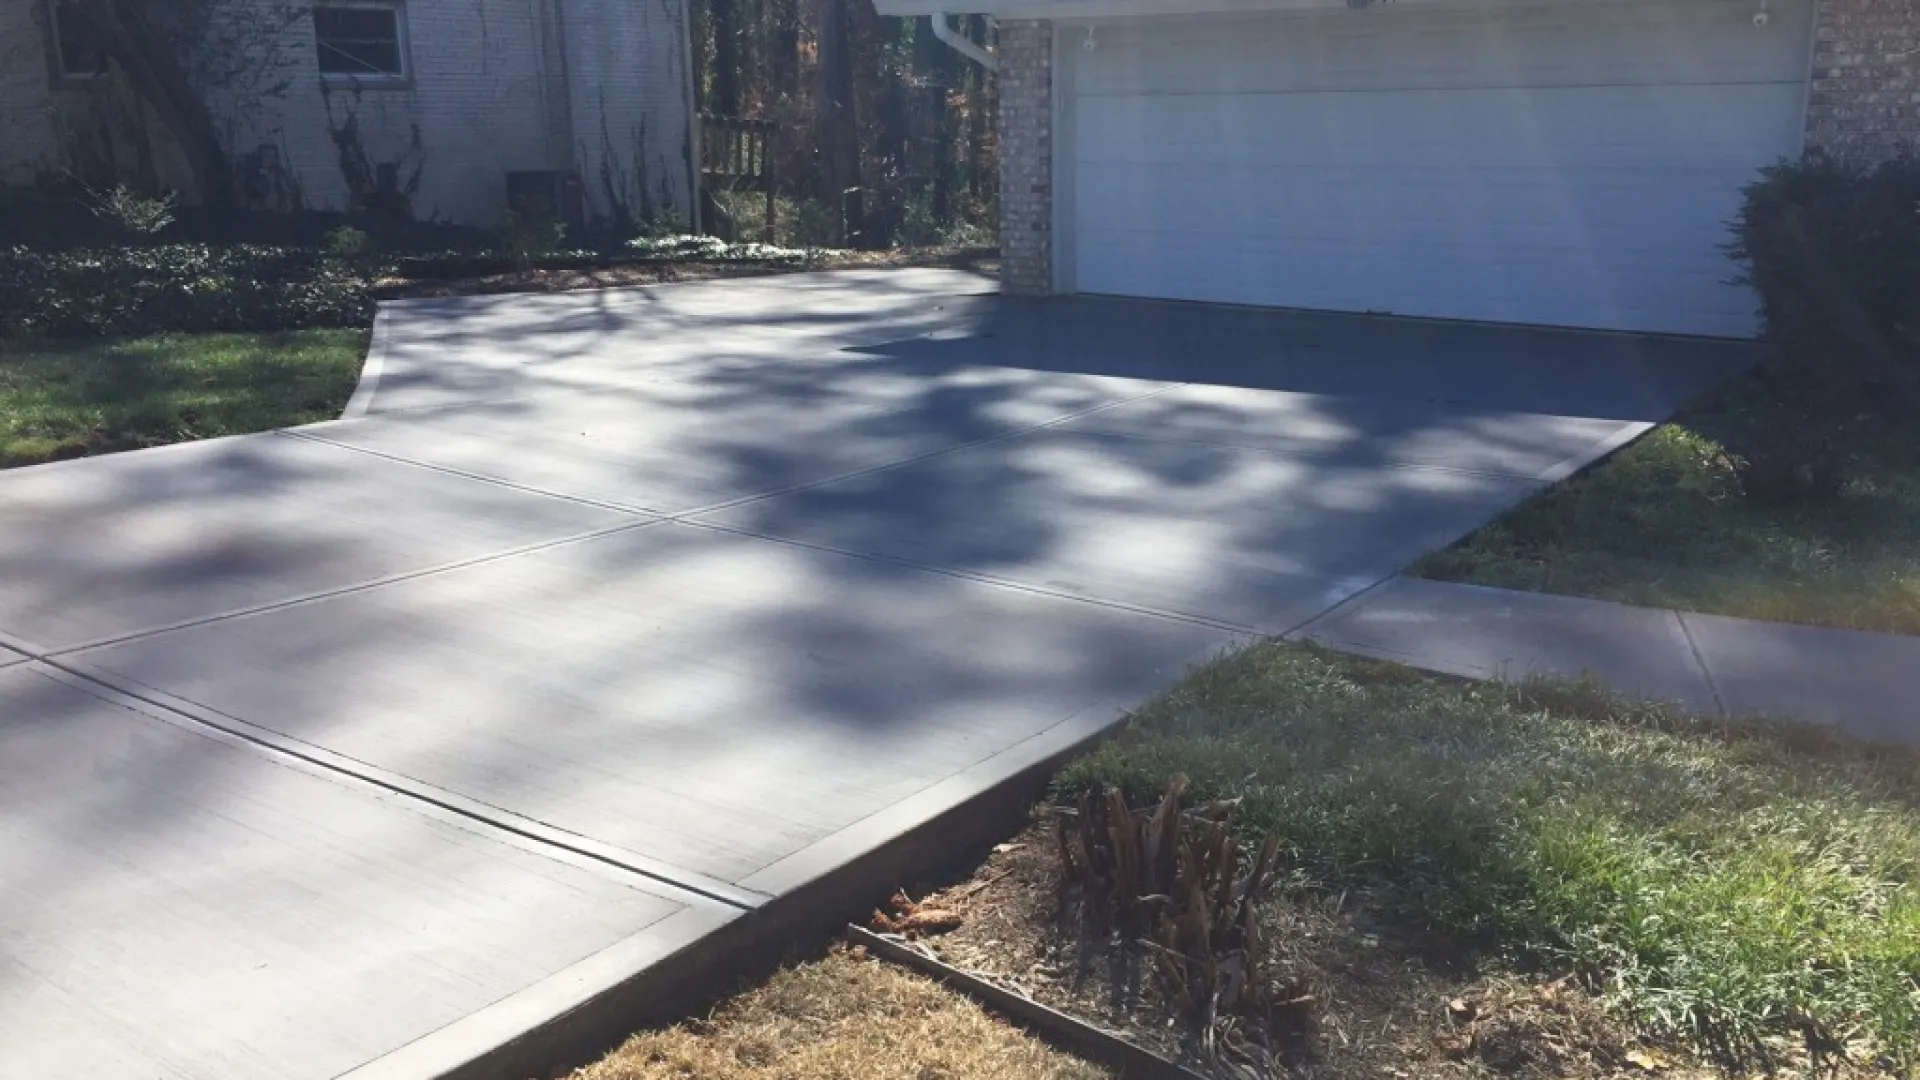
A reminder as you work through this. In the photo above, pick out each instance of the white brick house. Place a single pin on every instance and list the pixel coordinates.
(463, 92)
(1559, 162)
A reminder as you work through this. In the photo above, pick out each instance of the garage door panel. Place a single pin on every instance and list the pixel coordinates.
(1509, 286)
(1592, 204)
(1690, 127)
(1702, 41)
(1279, 206)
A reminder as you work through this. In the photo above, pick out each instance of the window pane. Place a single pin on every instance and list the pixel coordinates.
(355, 22)
(358, 40)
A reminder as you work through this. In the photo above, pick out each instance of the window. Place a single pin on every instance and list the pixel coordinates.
(361, 40)
(75, 54)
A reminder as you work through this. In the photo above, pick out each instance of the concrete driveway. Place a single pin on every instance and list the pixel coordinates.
(609, 623)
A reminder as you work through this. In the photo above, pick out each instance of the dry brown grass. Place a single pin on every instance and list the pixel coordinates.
(846, 1017)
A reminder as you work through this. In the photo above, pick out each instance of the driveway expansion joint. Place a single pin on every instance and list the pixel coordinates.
(657, 874)
(598, 504)
(1700, 662)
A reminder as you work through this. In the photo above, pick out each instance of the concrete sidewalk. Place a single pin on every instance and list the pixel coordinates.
(1867, 685)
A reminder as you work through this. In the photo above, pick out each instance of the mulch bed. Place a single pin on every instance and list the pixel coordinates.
(1373, 1000)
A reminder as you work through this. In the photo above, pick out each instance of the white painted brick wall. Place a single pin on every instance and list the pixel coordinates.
(42, 119)
(627, 60)
(27, 142)
(482, 94)
(475, 95)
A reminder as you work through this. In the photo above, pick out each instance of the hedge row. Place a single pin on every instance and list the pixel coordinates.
(188, 287)
(205, 287)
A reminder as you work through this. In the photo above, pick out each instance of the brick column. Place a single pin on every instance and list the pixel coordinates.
(1865, 104)
(1026, 156)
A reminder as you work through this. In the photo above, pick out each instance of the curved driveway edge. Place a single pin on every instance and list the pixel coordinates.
(376, 359)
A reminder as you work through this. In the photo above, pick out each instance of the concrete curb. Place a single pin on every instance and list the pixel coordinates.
(371, 368)
(482, 1043)
(578, 1015)
(1594, 453)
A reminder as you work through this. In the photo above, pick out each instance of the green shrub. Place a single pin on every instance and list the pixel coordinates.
(348, 243)
(815, 224)
(133, 213)
(528, 235)
(65, 218)
(1833, 250)
(965, 232)
(180, 287)
(919, 227)
(712, 249)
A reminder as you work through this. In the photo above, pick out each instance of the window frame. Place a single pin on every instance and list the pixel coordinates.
(57, 51)
(402, 38)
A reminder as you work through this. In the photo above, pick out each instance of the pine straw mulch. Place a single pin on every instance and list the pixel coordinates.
(1376, 1001)
(844, 1017)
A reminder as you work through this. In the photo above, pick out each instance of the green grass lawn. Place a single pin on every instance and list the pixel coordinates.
(69, 398)
(1664, 523)
(1732, 887)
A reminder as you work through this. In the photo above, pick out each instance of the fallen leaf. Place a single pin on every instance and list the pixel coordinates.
(1454, 1044)
(926, 920)
(1644, 1059)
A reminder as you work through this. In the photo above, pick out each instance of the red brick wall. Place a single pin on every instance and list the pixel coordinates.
(1865, 104)
(1026, 156)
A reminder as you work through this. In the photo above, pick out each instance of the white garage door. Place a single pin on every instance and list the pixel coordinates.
(1570, 165)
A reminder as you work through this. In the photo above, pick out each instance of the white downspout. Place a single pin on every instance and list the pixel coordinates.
(961, 43)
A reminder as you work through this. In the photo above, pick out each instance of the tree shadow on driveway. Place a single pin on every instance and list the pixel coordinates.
(909, 531)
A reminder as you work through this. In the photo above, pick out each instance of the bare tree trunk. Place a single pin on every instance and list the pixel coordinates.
(729, 59)
(157, 74)
(839, 123)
